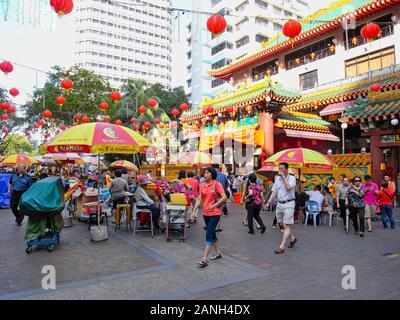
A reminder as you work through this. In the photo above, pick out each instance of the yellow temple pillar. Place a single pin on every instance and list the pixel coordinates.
(267, 125)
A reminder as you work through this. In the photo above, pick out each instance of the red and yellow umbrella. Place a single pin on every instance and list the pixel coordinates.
(300, 158)
(124, 164)
(17, 159)
(197, 157)
(97, 138)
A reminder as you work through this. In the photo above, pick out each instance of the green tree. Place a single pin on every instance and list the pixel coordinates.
(88, 92)
(15, 143)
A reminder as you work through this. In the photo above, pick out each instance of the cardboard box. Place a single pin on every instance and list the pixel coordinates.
(85, 197)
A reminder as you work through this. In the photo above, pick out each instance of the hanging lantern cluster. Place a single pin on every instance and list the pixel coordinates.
(184, 107)
(47, 114)
(370, 31)
(85, 119)
(175, 112)
(142, 109)
(62, 7)
(133, 120)
(60, 101)
(104, 106)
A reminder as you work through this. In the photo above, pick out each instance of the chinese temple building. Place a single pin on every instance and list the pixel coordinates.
(332, 70)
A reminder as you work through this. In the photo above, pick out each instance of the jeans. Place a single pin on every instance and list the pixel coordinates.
(356, 213)
(254, 212)
(14, 201)
(387, 212)
(211, 223)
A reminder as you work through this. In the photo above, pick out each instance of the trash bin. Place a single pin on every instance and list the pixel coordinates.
(237, 196)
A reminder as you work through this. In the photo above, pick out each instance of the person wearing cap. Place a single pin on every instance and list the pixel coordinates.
(143, 201)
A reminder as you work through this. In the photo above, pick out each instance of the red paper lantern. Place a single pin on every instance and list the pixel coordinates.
(152, 102)
(12, 109)
(74, 124)
(175, 112)
(133, 120)
(4, 116)
(249, 109)
(107, 118)
(147, 125)
(216, 24)
(14, 92)
(136, 127)
(142, 109)
(157, 121)
(292, 28)
(144, 128)
(115, 96)
(118, 122)
(5, 130)
(370, 31)
(77, 117)
(230, 109)
(62, 7)
(67, 84)
(196, 123)
(6, 67)
(205, 111)
(85, 119)
(375, 87)
(60, 100)
(27, 133)
(41, 122)
(62, 127)
(5, 106)
(47, 135)
(162, 126)
(184, 107)
(104, 106)
(47, 114)
(36, 126)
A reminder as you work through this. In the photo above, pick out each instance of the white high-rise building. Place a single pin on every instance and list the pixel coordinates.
(125, 39)
(249, 24)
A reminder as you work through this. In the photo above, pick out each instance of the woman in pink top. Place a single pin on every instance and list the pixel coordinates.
(370, 199)
(212, 196)
(195, 188)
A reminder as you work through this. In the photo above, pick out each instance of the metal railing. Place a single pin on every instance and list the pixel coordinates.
(308, 58)
(359, 40)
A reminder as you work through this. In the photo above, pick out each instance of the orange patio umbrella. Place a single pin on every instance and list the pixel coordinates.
(17, 159)
(124, 164)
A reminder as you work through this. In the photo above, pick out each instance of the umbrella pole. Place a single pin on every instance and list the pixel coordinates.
(98, 191)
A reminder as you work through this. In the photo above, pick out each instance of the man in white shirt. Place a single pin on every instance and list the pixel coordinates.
(284, 190)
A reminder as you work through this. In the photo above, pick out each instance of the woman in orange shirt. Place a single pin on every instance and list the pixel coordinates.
(212, 196)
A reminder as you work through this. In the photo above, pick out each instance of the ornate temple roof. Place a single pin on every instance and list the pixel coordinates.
(322, 22)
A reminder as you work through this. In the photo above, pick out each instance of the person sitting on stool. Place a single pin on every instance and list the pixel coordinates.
(143, 201)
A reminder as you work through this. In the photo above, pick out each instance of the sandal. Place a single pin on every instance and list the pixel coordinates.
(218, 256)
(190, 221)
(194, 220)
(202, 263)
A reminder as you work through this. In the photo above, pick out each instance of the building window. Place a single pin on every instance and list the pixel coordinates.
(220, 47)
(308, 80)
(262, 22)
(215, 2)
(189, 55)
(217, 82)
(262, 4)
(221, 63)
(277, 27)
(242, 6)
(277, 11)
(261, 70)
(260, 38)
(311, 53)
(370, 62)
(241, 23)
(189, 83)
(242, 42)
(287, 14)
(354, 38)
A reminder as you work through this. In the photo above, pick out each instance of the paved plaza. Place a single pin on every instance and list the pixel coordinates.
(128, 267)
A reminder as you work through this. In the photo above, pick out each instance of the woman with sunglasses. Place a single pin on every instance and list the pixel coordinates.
(357, 206)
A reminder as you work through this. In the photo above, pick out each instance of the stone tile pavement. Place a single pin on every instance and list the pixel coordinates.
(127, 267)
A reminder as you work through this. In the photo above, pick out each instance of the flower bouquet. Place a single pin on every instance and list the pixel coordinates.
(174, 187)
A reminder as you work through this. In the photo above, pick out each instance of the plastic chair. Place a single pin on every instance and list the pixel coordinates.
(138, 228)
(331, 214)
(312, 208)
